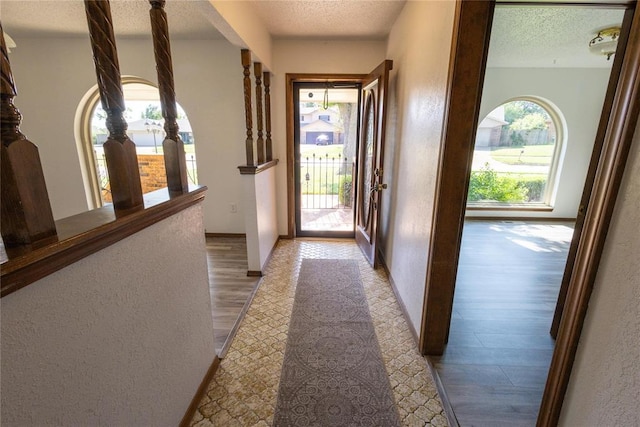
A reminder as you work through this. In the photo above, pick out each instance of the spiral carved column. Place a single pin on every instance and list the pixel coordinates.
(119, 150)
(257, 71)
(267, 114)
(27, 218)
(173, 147)
(246, 64)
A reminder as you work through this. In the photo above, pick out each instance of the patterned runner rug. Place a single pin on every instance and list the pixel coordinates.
(333, 373)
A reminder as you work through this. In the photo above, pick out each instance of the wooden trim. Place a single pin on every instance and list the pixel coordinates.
(254, 170)
(202, 390)
(266, 79)
(254, 273)
(472, 29)
(292, 78)
(87, 233)
(225, 235)
(449, 413)
(396, 293)
(258, 273)
(592, 4)
(591, 172)
(617, 142)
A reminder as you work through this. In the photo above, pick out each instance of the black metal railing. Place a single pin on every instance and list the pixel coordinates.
(326, 182)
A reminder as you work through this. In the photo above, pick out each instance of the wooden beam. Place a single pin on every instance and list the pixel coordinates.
(27, 218)
(257, 71)
(246, 63)
(175, 162)
(267, 114)
(119, 150)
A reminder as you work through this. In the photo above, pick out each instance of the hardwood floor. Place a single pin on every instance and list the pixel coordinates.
(495, 364)
(231, 289)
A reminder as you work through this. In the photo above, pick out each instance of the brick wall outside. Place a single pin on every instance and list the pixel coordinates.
(152, 174)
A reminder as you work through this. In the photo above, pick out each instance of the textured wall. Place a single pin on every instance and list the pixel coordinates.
(605, 382)
(416, 113)
(122, 337)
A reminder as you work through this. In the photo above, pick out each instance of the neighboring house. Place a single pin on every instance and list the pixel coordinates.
(149, 132)
(320, 126)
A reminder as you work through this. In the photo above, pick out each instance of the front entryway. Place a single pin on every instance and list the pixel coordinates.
(325, 140)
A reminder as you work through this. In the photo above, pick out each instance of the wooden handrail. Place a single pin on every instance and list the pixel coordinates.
(27, 218)
(246, 63)
(174, 156)
(87, 233)
(267, 114)
(119, 150)
(257, 71)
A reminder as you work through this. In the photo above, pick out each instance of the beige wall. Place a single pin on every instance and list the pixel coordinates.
(208, 80)
(605, 382)
(291, 56)
(414, 134)
(122, 337)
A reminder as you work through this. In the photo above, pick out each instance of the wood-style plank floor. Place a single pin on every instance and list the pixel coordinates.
(495, 364)
(231, 289)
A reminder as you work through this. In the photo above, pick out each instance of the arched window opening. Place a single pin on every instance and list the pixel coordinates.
(515, 160)
(145, 128)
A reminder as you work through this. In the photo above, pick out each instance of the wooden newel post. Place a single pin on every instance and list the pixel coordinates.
(26, 212)
(246, 64)
(174, 156)
(119, 150)
(257, 71)
(267, 114)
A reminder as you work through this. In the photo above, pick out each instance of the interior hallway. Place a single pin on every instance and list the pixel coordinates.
(244, 389)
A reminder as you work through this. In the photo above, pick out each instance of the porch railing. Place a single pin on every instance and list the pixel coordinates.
(326, 182)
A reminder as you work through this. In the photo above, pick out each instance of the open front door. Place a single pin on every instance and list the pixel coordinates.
(370, 157)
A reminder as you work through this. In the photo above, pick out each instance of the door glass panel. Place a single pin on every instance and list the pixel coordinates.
(368, 146)
(326, 140)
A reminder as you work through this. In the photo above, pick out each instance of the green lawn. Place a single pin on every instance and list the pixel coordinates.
(534, 155)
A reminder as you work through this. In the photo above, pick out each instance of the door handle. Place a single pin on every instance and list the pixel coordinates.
(380, 187)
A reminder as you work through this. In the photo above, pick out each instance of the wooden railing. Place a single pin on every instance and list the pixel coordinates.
(34, 244)
(263, 145)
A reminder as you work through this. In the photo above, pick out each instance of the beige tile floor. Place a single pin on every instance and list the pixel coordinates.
(244, 390)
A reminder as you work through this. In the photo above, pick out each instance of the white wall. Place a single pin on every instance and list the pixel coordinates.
(604, 388)
(122, 337)
(578, 93)
(416, 114)
(311, 56)
(54, 74)
(261, 220)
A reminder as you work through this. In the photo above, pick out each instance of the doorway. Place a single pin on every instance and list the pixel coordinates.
(610, 142)
(326, 117)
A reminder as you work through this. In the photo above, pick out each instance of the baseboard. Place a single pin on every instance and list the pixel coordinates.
(446, 405)
(403, 308)
(254, 273)
(225, 235)
(258, 273)
(193, 407)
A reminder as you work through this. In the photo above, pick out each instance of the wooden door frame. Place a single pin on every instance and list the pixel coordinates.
(290, 80)
(469, 53)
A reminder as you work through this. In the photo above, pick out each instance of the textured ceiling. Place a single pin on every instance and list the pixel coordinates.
(522, 36)
(67, 18)
(328, 18)
(548, 36)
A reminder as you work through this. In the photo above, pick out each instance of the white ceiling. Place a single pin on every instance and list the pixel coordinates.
(523, 36)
